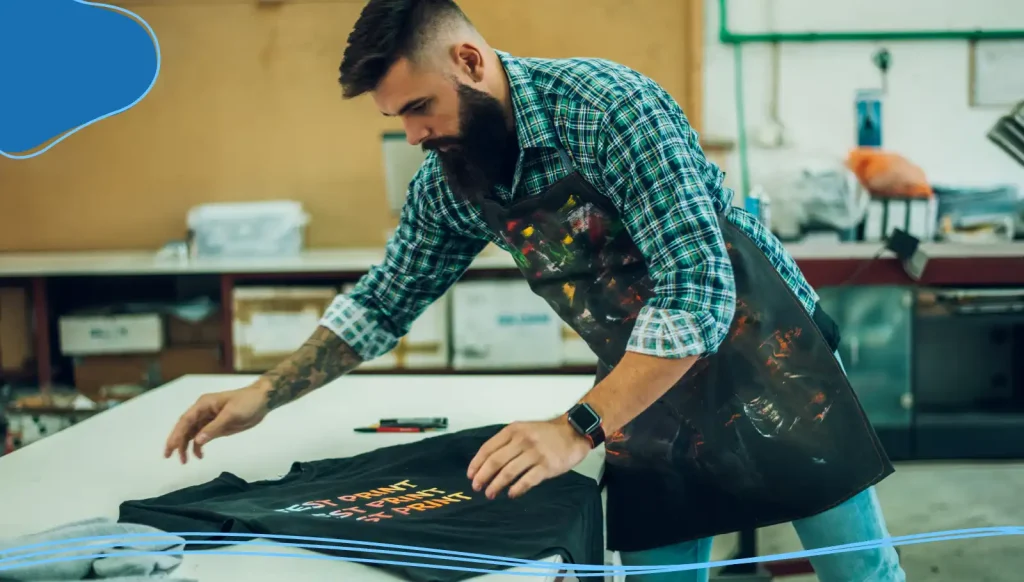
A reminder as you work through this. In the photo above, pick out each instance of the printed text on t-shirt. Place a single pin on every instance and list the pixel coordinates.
(381, 503)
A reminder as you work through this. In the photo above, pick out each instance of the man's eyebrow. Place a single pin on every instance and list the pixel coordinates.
(409, 105)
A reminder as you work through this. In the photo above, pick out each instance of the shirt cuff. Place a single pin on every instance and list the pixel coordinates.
(675, 334)
(355, 325)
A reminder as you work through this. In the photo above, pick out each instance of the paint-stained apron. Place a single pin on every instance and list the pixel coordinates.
(767, 430)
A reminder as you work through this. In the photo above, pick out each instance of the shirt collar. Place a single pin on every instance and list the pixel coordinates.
(534, 128)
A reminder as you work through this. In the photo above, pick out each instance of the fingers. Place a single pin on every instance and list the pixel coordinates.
(185, 430)
(495, 463)
(496, 442)
(212, 430)
(531, 479)
(513, 469)
(180, 433)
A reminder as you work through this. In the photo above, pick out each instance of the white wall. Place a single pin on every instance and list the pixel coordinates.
(926, 113)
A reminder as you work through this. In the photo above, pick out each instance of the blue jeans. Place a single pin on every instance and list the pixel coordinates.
(857, 520)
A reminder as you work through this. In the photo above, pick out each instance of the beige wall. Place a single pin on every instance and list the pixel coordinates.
(247, 106)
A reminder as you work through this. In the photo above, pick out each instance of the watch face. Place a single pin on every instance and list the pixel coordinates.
(584, 418)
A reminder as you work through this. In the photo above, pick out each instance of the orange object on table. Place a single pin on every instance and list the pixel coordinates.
(888, 174)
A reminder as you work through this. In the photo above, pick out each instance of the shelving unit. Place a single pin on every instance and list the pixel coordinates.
(825, 265)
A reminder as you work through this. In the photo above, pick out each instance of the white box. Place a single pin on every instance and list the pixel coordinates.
(270, 323)
(90, 335)
(426, 345)
(274, 228)
(503, 325)
(575, 351)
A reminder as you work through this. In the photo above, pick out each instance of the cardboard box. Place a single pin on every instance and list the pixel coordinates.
(270, 323)
(175, 362)
(16, 348)
(425, 347)
(100, 334)
(205, 332)
(575, 351)
(503, 325)
(96, 375)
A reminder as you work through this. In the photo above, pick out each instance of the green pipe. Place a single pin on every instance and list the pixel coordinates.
(741, 121)
(728, 37)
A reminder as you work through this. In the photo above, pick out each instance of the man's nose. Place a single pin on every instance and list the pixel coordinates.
(415, 134)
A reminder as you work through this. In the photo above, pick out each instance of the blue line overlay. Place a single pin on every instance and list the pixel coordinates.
(545, 568)
(67, 64)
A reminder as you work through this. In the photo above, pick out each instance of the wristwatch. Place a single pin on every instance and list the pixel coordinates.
(587, 422)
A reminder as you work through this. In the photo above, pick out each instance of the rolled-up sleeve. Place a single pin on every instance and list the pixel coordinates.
(422, 260)
(655, 171)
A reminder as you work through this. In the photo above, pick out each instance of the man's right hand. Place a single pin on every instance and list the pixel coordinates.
(215, 415)
(320, 360)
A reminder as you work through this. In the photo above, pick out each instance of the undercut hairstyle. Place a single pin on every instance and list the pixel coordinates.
(389, 30)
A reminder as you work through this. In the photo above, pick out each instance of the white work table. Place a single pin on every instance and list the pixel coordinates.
(86, 471)
(142, 262)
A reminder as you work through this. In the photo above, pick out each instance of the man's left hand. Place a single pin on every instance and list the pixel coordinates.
(531, 452)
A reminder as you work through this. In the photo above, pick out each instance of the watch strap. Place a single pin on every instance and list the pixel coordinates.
(596, 437)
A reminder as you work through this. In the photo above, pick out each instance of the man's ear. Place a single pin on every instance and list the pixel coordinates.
(469, 61)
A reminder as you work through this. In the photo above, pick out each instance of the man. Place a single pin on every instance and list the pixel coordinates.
(719, 401)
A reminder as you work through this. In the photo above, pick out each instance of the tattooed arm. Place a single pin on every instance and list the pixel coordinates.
(324, 357)
(422, 260)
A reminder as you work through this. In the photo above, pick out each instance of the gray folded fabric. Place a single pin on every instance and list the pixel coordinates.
(47, 556)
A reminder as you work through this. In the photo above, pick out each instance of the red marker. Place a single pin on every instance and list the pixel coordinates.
(393, 429)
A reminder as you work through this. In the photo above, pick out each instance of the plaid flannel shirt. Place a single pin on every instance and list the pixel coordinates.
(630, 139)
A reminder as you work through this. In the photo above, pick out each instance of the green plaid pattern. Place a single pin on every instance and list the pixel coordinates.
(630, 139)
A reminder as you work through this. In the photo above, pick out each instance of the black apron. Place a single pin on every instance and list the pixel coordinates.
(767, 430)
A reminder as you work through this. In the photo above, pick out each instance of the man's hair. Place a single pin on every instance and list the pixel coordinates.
(388, 30)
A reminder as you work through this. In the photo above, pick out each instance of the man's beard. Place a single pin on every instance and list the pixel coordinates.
(484, 154)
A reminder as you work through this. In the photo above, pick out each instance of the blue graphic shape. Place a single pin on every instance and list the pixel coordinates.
(581, 571)
(67, 64)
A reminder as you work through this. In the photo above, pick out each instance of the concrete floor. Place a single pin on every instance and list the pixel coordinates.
(932, 497)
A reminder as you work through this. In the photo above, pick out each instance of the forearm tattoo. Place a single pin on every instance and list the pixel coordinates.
(322, 359)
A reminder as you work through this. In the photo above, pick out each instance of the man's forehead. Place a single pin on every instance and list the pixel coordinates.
(403, 84)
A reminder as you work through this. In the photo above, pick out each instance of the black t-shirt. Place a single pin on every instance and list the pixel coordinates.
(414, 494)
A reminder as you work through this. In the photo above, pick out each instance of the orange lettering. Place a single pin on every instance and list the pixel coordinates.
(348, 498)
(402, 510)
(364, 495)
(377, 504)
(418, 506)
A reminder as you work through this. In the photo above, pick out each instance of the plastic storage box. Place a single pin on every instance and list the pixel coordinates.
(274, 228)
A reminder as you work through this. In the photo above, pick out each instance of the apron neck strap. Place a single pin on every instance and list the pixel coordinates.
(566, 161)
